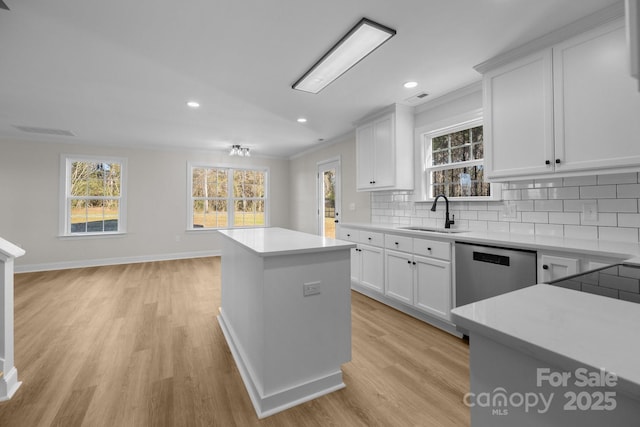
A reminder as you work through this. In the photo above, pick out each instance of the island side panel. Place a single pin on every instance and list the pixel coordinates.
(505, 391)
(242, 305)
(306, 337)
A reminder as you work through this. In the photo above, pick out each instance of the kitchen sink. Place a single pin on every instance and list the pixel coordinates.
(433, 229)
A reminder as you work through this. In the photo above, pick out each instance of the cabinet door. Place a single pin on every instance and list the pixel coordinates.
(555, 267)
(356, 265)
(371, 267)
(364, 157)
(433, 286)
(399, 273)
(518, 108)
(384, 152)
(597, 104)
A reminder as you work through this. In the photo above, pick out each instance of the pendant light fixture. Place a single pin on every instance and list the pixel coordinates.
(237, 150)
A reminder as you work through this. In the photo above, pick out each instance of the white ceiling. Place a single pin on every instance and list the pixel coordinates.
(120, 72)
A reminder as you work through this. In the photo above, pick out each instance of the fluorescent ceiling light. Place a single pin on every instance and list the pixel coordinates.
(410, 85)
(193, 104)
(302, 120)
(359, 42)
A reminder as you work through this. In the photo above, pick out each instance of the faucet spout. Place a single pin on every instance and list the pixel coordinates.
(447, 221)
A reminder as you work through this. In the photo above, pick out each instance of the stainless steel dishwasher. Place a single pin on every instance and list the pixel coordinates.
(486, 271)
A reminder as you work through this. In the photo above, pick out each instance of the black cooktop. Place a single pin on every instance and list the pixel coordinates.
(620, 281)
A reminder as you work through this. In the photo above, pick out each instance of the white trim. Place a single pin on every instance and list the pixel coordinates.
(64, 221)
(345, 137)
(30, 268)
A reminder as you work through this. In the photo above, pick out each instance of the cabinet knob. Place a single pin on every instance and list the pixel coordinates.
(408, 262)
(429, 249)
(368, 238)
(545, 267)
(348, 235)
(557, 161)
(547, 162)
(414, 263)
(397, 243)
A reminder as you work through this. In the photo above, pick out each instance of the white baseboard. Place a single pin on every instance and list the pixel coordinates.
(9, 384)
(30, 268)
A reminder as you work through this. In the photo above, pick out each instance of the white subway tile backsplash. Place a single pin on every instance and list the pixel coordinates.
(550, 207)
(621, 178)
(598, 192)
(618, 234)
(541, 217)
(534, 194)
(488, 215)
(580, 232)
(498, 227)
(604, 219)
(618, 205)
(580, 180)
(522, 228)
(628, 220)
(564, 193)
(626, 191)
(549, 230)
(564, 218)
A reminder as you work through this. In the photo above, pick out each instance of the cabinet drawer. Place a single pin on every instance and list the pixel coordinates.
(432, 248)
(348, 234)
(371, 238)
(398, 243)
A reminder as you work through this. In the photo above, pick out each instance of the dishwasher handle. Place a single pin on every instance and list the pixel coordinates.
(491, 258)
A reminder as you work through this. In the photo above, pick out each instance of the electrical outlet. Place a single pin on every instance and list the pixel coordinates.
(509, 211)
(311, 288)
(590, 211)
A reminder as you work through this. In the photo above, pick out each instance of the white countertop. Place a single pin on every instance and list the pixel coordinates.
(10, 250)
(281, 241)
(622, 250)
(546, 320)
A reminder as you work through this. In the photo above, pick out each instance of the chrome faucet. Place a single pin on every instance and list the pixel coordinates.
(447, 222)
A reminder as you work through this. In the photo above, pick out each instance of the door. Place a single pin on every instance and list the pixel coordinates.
(433, 286)
(328, 197)
(371, 267)
(364, 157)
(555, 267)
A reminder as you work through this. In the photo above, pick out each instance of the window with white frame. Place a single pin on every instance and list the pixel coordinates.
(226, 197)
(94, 195)
(454, 162)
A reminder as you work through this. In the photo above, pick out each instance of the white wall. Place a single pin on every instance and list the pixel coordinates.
(156, 211)
(303, 170)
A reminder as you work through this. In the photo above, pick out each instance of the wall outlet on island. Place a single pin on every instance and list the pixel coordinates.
(311, 288)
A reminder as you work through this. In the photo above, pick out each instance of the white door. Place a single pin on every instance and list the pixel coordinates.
(328, 197)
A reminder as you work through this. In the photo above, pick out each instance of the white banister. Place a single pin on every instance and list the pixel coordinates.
(9, 378)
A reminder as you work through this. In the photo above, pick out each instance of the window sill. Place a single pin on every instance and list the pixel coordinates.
(92, 235)
(464, 199)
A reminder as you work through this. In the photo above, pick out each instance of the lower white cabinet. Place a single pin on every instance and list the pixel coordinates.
(433, 286)
(371, 267)
(551, 267)
(420, 281)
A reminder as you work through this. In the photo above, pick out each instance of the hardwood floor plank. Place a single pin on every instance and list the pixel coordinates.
(139, 345)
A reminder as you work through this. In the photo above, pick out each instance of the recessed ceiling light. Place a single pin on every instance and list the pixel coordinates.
(302, 120)
(410, 85)
(193, 104)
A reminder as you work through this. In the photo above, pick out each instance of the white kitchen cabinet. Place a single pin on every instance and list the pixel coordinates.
(399, 270)
(632, 14)
(422, 281)
(569, 109)
(367, 259)
(518, 122)
(433, 286)
(384, 150)
(552, 267)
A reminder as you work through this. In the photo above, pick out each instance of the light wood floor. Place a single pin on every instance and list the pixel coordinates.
(139, 345)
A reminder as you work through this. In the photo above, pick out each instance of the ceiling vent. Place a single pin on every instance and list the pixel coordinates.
(44, 131)
(416, 99)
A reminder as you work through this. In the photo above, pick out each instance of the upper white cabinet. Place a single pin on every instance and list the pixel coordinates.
(632, 13)
(384, 150)
(568, 109)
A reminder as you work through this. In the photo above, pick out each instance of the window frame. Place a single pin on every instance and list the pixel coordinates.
(230, 198)
(426, 138)
(66, 161)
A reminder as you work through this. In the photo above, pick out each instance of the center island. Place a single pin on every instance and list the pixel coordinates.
(286, 313)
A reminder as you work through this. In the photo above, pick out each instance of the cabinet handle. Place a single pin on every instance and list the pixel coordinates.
(397, 243)
(368, 238)
(429, 249)
(547, 162)
(348, 235)
(545, 267)
(408, 262)
(414, 263)
(557, 161)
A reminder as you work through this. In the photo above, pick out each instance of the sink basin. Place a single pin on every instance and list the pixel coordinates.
(433, 229)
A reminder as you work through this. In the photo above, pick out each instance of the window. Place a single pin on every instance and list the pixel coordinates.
(454, 163)
(224, 197)
(94, 201)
